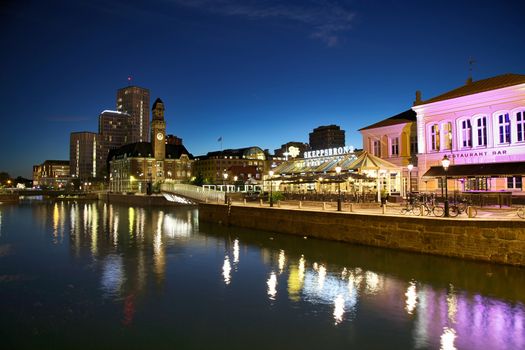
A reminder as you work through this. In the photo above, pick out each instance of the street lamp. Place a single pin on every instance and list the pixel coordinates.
(235, 182)
(446, 162)
(271, 187)
(410, 167)
(225, 176)
(338, 171)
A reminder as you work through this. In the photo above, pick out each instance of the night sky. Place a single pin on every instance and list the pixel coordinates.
(254, 72)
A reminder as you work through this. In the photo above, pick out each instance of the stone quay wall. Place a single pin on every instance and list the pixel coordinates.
(498, 241)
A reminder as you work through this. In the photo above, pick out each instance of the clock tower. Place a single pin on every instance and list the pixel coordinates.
(158, 131)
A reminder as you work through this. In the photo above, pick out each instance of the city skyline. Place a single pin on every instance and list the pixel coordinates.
(253, 73)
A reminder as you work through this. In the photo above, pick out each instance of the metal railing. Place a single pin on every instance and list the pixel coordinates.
(194, 192)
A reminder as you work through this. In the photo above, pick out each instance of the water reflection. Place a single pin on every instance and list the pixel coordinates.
(136, 252)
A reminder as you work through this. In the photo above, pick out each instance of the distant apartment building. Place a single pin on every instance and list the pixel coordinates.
(114, 129)
(328, 136)
(134, 101)
(246, 163)
(290, 149)
(85, 155)
(51, 173)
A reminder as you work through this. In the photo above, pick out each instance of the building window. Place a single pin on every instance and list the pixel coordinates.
(377, 148)
(466, 133)
(520, 126)
(514, 182)
(481, 127)
(504, 128)
(447, 135)
(434, 137)
(394, 147)
(413, 145)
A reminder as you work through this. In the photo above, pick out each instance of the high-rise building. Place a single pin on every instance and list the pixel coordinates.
(85, 155)
(114, 129)
(328, 136)
(134, 101)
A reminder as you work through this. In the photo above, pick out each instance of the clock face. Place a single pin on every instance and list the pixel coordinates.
(160, 136)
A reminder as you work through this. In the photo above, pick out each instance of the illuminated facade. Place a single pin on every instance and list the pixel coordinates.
(395, 140)
(482, 122)
(249, 162)
(136, 167)
(51, 173)
(85, 155)
(134, 101)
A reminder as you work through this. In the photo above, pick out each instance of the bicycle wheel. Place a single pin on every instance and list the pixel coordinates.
(521, 212)
(438, 211)
(416, 210)
(453, 211)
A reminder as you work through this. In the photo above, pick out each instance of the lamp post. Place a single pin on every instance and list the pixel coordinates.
(338, 172)
(235, 182)
(271, 187)
(225, 176)
(410, 167)
(446, 162)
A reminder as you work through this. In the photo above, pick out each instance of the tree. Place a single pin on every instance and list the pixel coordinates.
(198, 180)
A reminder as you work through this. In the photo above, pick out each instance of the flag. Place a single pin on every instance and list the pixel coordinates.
(219, 139)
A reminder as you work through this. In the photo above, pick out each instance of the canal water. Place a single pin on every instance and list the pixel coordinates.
(106, 276)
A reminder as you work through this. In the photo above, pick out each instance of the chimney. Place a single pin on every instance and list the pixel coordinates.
(418, 98)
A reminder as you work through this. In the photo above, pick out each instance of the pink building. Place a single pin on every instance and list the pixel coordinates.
(480, 127)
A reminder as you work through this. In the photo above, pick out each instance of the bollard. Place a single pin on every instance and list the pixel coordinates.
(324, 205)
(278, 204)
(383, 207)
(469, 212)
(260, 202)
(351, 207)
(422, 210)
(206, 200)
(300, 204)
(244, 201)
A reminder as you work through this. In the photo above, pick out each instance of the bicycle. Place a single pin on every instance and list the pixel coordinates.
(411, 209)
(521, 212)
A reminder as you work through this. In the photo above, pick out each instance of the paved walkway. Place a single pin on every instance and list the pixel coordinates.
(485, 213)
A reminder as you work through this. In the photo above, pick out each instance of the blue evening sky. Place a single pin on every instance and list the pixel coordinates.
(254, 72)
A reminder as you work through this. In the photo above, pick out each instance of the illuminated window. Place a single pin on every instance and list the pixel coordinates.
(434, 137)
(413, 145)
(394, 146)
(514, 182)
(447, 134)
(466, 133)
(520, 126)
(504, 128)
(481, 127)
(377, 148)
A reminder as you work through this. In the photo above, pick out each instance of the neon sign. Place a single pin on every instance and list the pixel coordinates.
(329, 152)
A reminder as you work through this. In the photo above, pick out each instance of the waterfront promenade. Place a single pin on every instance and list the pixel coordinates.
(391, 209)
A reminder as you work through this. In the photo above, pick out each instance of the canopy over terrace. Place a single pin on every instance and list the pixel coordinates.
(375, 167)
(359, 168)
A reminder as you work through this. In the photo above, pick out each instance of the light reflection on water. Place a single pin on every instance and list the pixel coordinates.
(165, 246)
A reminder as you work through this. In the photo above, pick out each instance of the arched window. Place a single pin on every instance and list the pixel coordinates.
(465, 126)
(520, 126)
(434, 137)
(480, 125)
(503, 135)
(447, 135)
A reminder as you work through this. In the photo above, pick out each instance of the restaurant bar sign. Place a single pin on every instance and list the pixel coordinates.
(329, 152)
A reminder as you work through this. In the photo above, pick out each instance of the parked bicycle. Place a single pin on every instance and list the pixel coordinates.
(521, 212)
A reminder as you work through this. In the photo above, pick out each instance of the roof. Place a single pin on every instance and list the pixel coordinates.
(237, 152)
(56, 162)
(367, 161)
(478, 170)
(475, 87)
(143, 149)
(158, 100)
(407, 116)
